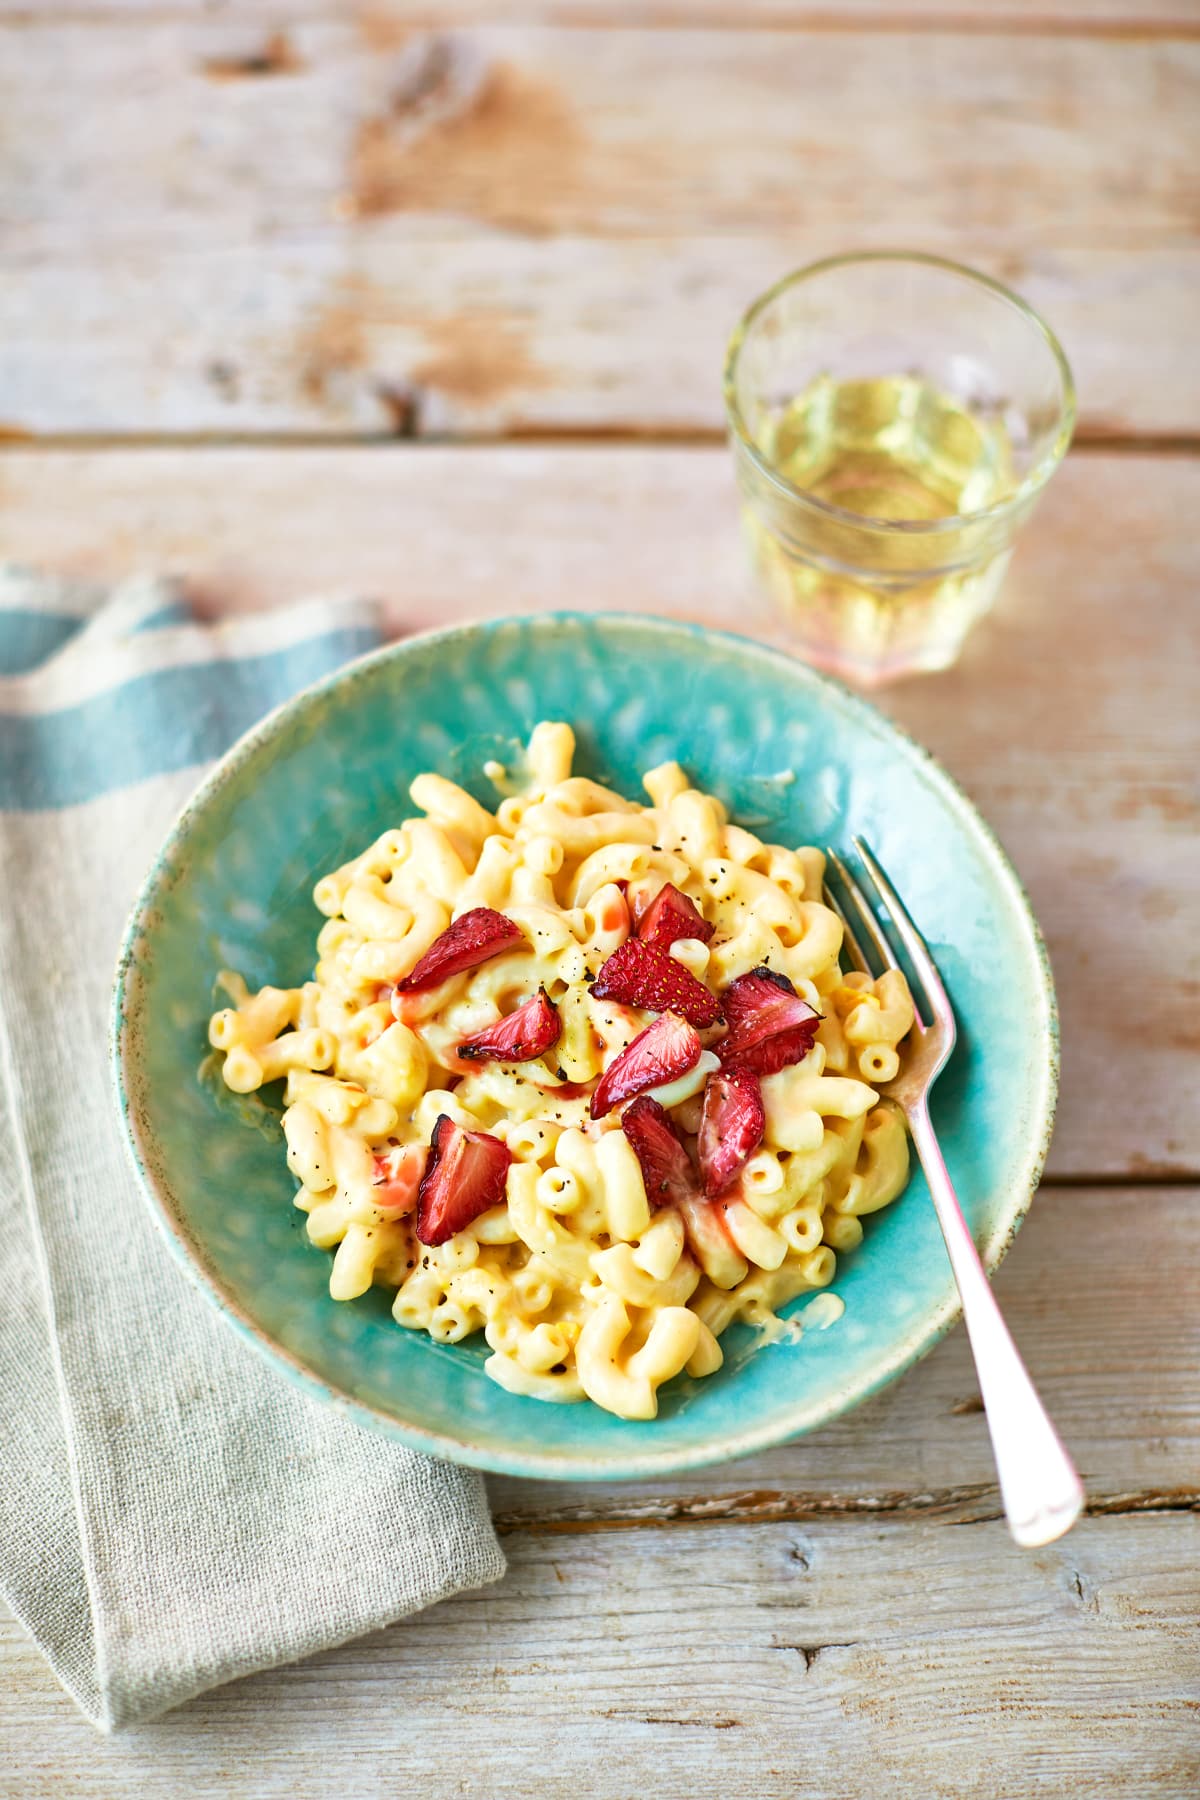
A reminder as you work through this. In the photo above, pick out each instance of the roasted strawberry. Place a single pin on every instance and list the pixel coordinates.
(667, 1172)
(770, 1026)
(731, 1125)
(470, 940)
(710, 1242)
(519, 1036)
(397, 1177)
(640, 974)
(663, 1052)
(671, 915)
(465, 1176)
(670, 1180)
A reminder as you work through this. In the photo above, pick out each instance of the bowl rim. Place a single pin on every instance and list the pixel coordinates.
(909, 1348)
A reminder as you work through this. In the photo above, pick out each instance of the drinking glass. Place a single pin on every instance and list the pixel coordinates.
(894, 418)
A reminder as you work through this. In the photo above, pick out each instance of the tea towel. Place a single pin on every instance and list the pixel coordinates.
(172, 1512)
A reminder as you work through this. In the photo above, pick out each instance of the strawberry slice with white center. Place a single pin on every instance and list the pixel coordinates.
(670, 916)
(770, 1026)
(397, 1177)
(469, 941)
(641, 974)
(520, 1036)
(709, 1241)
(466, 1175)
(667, 1172)
(731, 1126)
(663, 1052)
(670, 1180)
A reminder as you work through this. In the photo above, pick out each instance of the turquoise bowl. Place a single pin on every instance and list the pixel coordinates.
(327, 772)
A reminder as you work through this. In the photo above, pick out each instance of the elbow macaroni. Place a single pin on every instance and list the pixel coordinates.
(581, 1287)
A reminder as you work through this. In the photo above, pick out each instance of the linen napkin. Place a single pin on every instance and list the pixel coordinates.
(172, 1512)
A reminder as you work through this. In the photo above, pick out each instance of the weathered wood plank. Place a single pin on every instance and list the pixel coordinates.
(390, 16)
(130, 136)
(359, 332)
(330, 245)
(1118, 1376)
(1071, 718)
(837, 1658)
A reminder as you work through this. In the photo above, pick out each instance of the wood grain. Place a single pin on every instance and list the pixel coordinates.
(1071, 718)
(358, 332)
(123, 137)
(388, 17)
(363, 225)
(829, 1659)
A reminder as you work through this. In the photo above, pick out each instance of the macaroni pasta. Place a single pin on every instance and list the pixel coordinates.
(554, 1235)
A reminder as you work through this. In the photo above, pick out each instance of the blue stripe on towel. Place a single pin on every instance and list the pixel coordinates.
(156, 723)
(28, 638)
(175, 612)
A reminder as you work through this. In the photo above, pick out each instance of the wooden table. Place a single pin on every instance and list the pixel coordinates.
(413, 301)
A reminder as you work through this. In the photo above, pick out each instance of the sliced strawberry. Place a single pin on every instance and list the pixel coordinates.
(519, 1036)
(397, 1177)
(670, 916)
(731, 1125)
(710, 1242)
(663, 1052)
(470, 940)
(465, 1176)
(670, 1180)
(667, 1172)
(640, 974)
(770, 1026)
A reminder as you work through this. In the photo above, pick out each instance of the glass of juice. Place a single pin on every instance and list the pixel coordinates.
(894, 418)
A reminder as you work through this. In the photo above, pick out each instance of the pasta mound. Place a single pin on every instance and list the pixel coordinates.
(599, 1260)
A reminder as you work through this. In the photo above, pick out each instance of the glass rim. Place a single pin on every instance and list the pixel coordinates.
(1033, 482)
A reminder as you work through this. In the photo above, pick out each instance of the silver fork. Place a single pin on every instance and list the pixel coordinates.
(1041, 1490)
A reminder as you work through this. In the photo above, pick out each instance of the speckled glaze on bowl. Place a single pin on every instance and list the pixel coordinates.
(327, 772)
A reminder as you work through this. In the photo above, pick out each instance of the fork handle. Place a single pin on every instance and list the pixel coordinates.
(1041, 1490)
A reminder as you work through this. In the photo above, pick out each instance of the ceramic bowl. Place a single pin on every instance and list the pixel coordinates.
(797, 759)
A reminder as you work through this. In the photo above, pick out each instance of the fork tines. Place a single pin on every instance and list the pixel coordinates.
(936, 1000)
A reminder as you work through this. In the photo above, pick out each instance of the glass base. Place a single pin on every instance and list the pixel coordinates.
(873, 674)
(868, 631)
